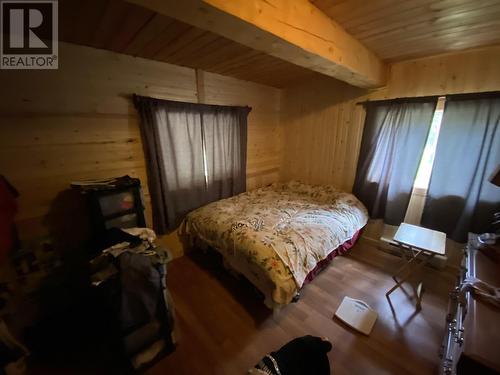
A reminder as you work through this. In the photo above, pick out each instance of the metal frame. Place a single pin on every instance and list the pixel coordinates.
(415, 260)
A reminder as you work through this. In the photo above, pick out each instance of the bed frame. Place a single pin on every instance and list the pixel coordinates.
(193, 242)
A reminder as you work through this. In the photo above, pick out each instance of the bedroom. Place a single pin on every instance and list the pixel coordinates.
(304, 82)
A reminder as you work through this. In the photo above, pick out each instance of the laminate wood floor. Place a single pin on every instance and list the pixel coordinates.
(224, 328)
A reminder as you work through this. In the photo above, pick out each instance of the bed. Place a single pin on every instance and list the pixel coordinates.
(279, 236)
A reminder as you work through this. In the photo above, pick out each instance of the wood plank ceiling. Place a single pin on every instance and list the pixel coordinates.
(394, 29)
(127, 28)
(401, 29)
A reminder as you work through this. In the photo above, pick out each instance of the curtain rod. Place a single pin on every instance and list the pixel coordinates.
(416, 99)
(136, 98)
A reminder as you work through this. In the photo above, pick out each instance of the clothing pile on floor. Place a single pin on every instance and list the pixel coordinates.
(12, 353)
(133, 267)
(301, 356)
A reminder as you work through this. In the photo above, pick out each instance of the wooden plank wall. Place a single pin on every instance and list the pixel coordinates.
(322, 128)
(323, 125)
(79, 122)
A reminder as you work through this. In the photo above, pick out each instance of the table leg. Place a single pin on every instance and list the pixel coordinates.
(412, 270)
(420, 291)
(404, 266)
(409, 262)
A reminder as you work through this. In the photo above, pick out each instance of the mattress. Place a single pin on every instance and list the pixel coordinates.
(276, 235)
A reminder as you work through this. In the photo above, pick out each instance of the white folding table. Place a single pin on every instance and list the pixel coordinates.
(418, 246)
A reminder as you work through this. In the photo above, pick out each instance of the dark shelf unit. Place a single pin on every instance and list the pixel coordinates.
(118, 204)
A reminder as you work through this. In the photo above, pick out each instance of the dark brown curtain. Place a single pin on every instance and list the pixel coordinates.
(460, 198)
(225, 140)
(391, 148)
(195, 154)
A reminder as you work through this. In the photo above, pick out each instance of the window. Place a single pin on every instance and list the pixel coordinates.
(195, 153)
(419, 192)
(427, 161)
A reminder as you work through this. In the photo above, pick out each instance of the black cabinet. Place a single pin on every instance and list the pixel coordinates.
(112, 203)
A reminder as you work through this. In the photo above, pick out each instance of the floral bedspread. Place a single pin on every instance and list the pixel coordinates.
(282, 230)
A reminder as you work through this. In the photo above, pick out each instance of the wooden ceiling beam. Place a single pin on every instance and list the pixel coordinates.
(295, 31)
